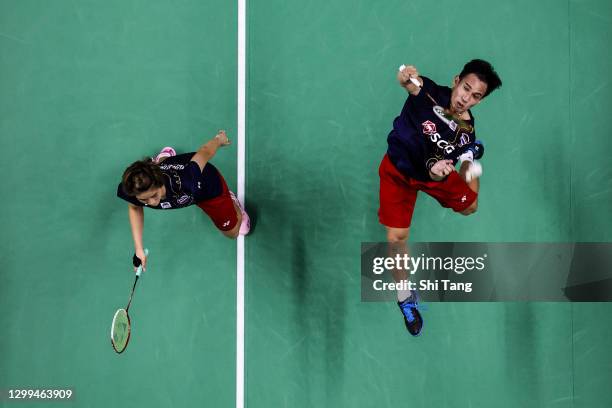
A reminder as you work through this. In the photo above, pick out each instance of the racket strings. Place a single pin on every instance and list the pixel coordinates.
(120, 331)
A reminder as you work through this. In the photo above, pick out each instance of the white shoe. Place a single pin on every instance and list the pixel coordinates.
(245, 225)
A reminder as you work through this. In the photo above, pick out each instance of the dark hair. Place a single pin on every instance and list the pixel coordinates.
(485, 72)
(141, 176)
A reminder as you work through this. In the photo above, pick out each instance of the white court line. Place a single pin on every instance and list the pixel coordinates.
(241, 197)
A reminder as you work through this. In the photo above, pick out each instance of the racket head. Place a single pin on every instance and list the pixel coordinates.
(120, 330)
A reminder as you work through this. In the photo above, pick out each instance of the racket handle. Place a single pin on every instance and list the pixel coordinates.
(139, 270)
(412, 79)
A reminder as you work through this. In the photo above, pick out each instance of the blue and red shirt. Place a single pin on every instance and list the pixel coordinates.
(424, 133)
(185, 183)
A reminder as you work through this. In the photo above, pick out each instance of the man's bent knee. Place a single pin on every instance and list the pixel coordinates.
(397, 234)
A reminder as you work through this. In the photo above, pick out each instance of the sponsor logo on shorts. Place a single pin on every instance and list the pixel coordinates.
(429, 128)
(464, 198)
(226, 223)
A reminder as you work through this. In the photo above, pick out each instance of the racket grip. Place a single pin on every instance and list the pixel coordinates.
(139, 270)
(412, 79)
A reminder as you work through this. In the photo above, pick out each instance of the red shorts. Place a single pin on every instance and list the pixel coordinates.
(398, 194)
(221, 209)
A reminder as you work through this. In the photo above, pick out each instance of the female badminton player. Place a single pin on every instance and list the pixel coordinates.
(172, 181)
(434, 131)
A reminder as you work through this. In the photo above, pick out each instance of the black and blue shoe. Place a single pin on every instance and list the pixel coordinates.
(412, 317)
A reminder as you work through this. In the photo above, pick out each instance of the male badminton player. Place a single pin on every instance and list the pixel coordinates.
(175, 181)
(433, 132)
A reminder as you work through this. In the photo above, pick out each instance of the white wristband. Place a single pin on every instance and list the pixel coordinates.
(467, 156)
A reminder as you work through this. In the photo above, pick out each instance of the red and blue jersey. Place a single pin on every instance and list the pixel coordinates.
(425, 133)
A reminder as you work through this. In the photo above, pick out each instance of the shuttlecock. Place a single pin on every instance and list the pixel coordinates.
(474, 171)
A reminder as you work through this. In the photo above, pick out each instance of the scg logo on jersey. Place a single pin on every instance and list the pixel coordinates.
(441, 143)
(429, 128)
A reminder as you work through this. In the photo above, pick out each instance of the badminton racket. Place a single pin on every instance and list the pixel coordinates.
(121, 327)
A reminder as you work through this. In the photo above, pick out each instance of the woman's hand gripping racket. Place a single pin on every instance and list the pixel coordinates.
(120, 329)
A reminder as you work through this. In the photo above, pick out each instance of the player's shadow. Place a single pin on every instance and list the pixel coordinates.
(522, 331)
(252, 210)
(316, 298)
(320, 310)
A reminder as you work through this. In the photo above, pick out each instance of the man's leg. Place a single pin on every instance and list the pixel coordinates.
(398, 239)
(406, 299)
(397, 199)
(473, 184)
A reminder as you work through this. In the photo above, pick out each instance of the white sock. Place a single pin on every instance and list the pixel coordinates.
(403, 295)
